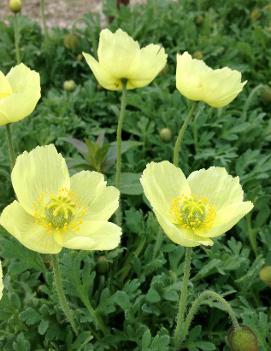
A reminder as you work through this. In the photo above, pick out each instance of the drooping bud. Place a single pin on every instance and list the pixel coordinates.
(69, 85)
(199, 19)
(102, 264)
(165, 134)
(266, 95)
(243, 339)
(265, 275)
(71, 41)
(198, 55)
(255, 14)
(15, 5)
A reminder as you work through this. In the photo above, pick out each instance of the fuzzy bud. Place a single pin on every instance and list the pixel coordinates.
(265, 275)
(266, 95)
(243, 339)
(71, 41)
(102, 265)
(69, 85)
(15, 5)
(255, 14)
(165, 134)
(199, 19)
(198, 55)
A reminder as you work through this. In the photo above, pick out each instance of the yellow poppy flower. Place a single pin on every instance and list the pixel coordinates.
(120, 58)
(1, 281)
(19, 93)
(54, 210)
(197, 81)
(192, 211)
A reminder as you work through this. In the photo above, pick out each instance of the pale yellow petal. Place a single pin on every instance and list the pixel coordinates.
(103, 76)
(25, 86)
(17, 106)
(22, 78)
(100, 200)
(149, 63)
(181, 236)
(190, 76)
(40, 171)
(1, 281)
(219, 95)
(228, 216)
(23, 227)
(92, 235)
(5, 87)
(214, 183)
(198, 82)
(117, 52)
(162, 182)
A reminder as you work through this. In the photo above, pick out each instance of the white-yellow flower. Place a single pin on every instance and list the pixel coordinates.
(192, 211)
(54, 210)
(19, 93)
(120, 58)
(198, 82)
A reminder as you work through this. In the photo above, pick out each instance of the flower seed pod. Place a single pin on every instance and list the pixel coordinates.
(69, 85)
(265, 275)
(243, 339)
(15, 5)
(71, 41)
(165, 134)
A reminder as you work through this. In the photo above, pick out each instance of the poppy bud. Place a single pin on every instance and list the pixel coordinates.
(71, 41)
(265, 275)
(165, 134)
(266, 95)
(15, 5)
(243, 339)
(69, 85)
(102, 265)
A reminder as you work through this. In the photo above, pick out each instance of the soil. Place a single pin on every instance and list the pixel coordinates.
(58, 13)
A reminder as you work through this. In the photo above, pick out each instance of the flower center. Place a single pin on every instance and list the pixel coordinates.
(60, 211)
(191, 212)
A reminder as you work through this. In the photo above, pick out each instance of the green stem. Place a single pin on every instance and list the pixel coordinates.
(251, 96)
(203, 298)
(179, 140)
(98, 321)
(183, 297)
(251, 235)
(60, 292)
(11, 152)
(17, 39)
(43, 17)
(119, 131)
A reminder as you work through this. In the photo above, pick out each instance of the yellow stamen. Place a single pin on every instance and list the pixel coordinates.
(192, 212)
(59, 212)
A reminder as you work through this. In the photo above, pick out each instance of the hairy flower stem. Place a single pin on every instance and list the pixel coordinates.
(12, 155)
(183, 297)
(203, 298)
(119, 131)
(180, 136)
(17, 39)
(43, 17)
(60, 292)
